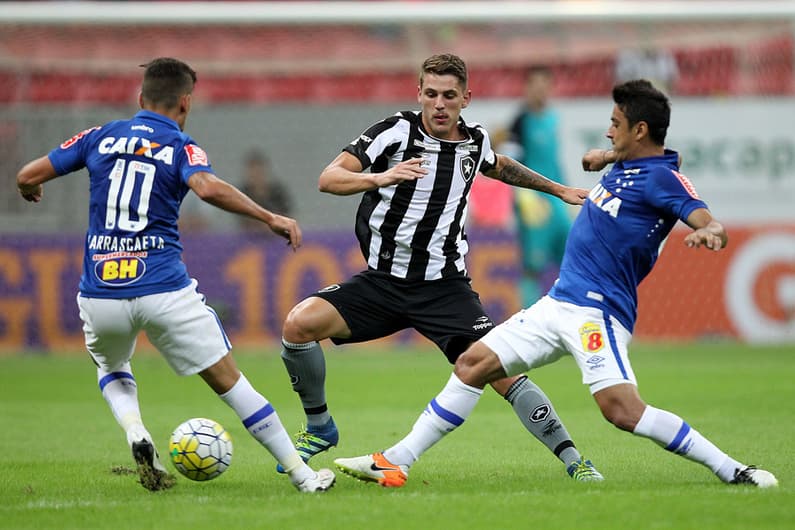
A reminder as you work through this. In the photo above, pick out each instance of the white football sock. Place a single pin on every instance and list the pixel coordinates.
(121, 394)
(447, 411)
(675, 435)
(260, 419)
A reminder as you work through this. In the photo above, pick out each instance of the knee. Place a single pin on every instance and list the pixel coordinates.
(313, 319)
(478, 366)
(297, 327)
(465, 368)
(623, 410)
(619, 418)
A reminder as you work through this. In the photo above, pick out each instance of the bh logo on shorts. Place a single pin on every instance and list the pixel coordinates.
(120, 271)
(592, 337)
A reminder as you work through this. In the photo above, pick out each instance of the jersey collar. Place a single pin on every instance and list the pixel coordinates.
(462, 126)
(669, 157)
(149, 115)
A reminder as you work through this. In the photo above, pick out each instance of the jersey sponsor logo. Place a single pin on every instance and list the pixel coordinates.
(467, 167)
(136, 146)
(431, 147)
(142, 127)
(605, 200)
(196, 155)
(103, 243)
(689, 188)
(592, 337)
(120, 271)
(76, 138)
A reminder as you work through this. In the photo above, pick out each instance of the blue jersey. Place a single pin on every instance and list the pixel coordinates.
(138, 171)
(616, 238)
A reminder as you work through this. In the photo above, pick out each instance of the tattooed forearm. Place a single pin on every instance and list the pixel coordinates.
(516, 174)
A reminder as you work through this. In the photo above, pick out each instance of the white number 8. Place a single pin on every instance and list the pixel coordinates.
(122, 206)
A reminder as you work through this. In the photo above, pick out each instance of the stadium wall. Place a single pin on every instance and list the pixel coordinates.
(746, 292)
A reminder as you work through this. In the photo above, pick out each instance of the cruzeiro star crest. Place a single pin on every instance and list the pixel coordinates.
(467, 167)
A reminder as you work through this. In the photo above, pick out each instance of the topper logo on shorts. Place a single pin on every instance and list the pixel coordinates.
(591, 336)
(120, 271)
(483, 322)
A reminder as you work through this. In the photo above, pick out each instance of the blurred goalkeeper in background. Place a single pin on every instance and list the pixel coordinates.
(410, 227)
(133, 276)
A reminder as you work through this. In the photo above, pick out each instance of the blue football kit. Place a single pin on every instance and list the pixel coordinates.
(617, 236)
(138, 171)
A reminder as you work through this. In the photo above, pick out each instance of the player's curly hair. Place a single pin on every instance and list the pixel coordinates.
(445, 64)
(166, 80)
(640, 101)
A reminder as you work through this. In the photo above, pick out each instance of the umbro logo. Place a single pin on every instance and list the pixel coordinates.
(595, 361)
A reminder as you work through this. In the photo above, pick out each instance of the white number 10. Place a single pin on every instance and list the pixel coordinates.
(125, 181)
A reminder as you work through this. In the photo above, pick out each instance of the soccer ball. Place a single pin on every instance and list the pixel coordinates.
(200, 449)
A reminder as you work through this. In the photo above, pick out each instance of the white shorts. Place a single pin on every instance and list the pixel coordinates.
(544, 332)
(185, 330)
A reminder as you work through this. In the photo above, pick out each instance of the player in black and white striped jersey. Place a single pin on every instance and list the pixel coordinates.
(410, 226)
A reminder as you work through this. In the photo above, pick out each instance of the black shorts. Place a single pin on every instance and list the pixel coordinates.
(375, 304)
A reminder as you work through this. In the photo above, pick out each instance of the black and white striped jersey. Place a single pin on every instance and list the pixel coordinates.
(415, 230)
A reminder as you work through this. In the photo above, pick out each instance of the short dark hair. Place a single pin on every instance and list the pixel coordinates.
(445, 64)
(166, 80)
(640, 101)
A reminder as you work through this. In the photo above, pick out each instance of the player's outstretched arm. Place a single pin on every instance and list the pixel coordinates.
(223, 195)
(597, 159)
(343, 176)
(512, 172)
(31, 177)
(706, 231)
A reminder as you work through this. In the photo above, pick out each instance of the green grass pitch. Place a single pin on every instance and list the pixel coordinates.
(59, 444)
